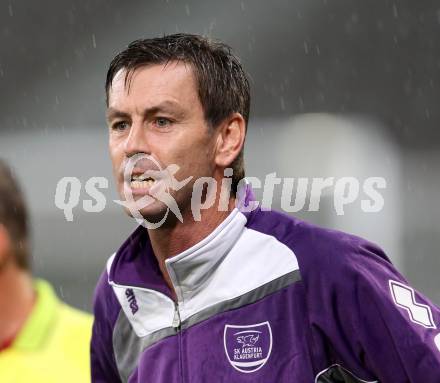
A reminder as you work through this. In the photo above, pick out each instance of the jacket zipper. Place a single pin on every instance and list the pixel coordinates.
(176, 319)
(177, 326)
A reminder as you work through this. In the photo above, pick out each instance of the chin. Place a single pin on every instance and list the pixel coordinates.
(153, 213)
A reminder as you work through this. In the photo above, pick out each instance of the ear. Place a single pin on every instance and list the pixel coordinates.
(5, 245)
(230, 140)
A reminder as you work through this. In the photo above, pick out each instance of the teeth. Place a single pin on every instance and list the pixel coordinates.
(141, 184)
(141, 177)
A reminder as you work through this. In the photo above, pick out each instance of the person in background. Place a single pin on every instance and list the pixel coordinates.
(41, 338)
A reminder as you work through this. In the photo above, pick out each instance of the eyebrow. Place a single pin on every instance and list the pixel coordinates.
(164, 106)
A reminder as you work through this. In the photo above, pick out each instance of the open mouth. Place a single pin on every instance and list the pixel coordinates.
(141, 181)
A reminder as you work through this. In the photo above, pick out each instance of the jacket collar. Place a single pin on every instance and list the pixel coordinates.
(191, 268)
(135, 265)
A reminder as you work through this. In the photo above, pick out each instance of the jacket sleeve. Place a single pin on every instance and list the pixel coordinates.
(106, 310)
(393, 329)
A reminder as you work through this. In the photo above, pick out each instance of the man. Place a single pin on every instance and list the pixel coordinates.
(222, 291)
(41, 338)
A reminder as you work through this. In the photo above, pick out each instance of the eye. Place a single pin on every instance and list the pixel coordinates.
(120, 126)
(162, 122)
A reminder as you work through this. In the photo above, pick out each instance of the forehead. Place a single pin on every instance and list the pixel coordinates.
(153, 84)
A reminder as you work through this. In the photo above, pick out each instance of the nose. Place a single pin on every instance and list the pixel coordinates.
(136, 141)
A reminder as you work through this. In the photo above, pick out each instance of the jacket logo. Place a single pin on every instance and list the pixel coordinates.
(248, 348)
(129, 293)
(248, 340)
(405, 298)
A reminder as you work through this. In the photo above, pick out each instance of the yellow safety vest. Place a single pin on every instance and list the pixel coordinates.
(53, 346)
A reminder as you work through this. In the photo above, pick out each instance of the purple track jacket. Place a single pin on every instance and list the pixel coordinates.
(265, 298)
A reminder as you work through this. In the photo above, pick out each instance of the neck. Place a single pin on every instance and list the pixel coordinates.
(17, 298)
(169, 241)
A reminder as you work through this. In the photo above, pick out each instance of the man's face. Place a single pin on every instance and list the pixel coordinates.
(158, 113)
